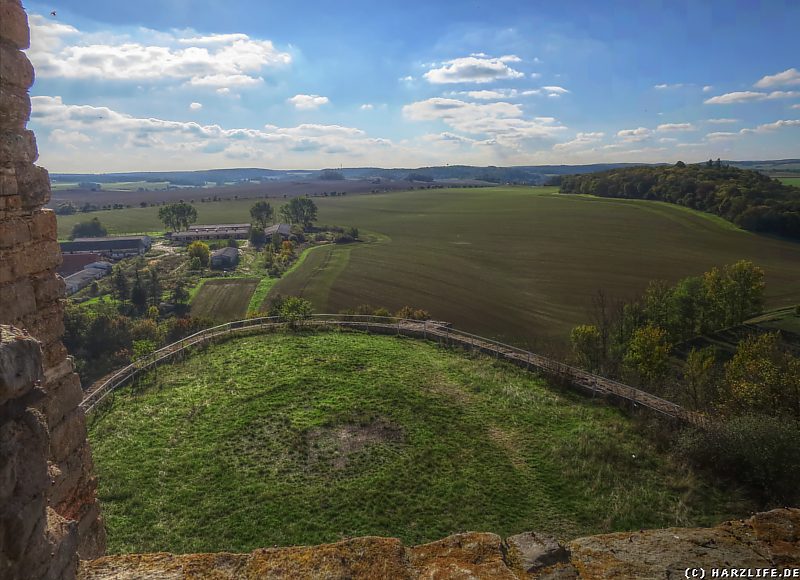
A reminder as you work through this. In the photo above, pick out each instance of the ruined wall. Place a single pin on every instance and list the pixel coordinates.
(35, 542)
(31, 294)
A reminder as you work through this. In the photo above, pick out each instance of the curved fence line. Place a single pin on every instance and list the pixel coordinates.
(440, 332)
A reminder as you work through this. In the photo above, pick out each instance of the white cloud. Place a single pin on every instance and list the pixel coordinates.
(581, 141)
(196, 106)
(749, 96)
(797, 106)
(774, 126)
(502, 122)
(367, 107)
(722, 121)
(664, 86)
(790, 76)
(721, 136)
(230, 60)
(308, 102)
(68, 138)
(707, 88)
(473, 69)
(634, 135)
(535, 75)
(675, 127)
(668, 140)
(498, 94)
(406, 79)
(555, 91)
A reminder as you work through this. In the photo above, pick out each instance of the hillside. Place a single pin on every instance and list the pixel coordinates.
(296, 439)
(745, 197)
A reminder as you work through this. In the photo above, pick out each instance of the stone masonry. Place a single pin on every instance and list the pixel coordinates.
(31, 293)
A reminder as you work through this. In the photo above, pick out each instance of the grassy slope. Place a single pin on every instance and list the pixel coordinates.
(530, 257)
(224, 299)
(222, 454)
(791, 181)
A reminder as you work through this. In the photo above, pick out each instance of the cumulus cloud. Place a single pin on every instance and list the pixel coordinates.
(367, 107)
(499, 94)
(474, 69)
(104, 130)
(581, 141)
(634, 135)
(721, 136)
(504, 123)
(675, 127)
(308, 102)
(196, 106)
(722, 121)
(790, 76)
(229, 60)
(707, 88)
(749, 96)
(780, 124)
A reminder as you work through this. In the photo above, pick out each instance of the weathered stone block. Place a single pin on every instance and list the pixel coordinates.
(15, 107)
(14, 232)
(46, 325)
(20, 363)
(68, 435)
(8, 180)
(18, 146)
(16, 301)
(10, 205)
(15, 68)
(62, 397)
(532, 551)
(63, 535)
(54, 353)
(14, 25)
(30, 259)
(48, 288)
(43, 225)
(33, 185)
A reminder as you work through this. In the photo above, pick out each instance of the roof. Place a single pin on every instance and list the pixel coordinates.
(282, 229)
(230, 253)
(218, 227)
(111, 243)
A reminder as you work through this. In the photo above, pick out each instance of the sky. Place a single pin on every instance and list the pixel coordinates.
(157, 85)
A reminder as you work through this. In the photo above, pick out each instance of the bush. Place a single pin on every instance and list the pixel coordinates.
(91, 229)
(760, 451)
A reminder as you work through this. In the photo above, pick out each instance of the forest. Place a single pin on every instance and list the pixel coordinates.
(749, 199)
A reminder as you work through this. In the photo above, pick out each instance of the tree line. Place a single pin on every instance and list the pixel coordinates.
(749, 199)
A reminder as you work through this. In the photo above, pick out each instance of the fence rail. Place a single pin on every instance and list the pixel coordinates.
(440, 332)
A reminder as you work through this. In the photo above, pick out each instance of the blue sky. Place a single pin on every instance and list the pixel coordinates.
(174, 84)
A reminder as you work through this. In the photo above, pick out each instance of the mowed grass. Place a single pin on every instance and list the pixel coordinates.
(223, 299)
(309, 438)
(312, 279)
(516, 263)
(791, 181)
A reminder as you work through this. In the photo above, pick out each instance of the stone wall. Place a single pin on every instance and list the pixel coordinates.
(31, 294)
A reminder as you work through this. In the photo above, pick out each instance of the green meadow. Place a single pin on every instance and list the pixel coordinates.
(307, 438)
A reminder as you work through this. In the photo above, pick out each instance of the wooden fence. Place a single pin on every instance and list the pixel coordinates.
(439, 332)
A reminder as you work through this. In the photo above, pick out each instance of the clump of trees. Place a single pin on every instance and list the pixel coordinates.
(177, 216)
(753, 397)
(91, 229)
(747, 198)
(299, 210)
(199, 255)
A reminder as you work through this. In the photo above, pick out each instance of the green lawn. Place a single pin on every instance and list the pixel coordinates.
(517, 263)
(303, 439)
(790, 181)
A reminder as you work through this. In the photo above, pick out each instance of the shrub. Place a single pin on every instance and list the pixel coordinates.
(760, 451)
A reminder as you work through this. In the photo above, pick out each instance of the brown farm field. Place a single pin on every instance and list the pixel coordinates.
(224, 299)
(516, 263)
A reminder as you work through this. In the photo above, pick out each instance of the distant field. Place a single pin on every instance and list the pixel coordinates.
(791, 181)
(314, 277)
(520, 263)
(295, 439)
(223, 299)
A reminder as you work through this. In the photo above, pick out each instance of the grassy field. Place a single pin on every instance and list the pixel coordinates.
(304, 439)
(791, 181)
(520, 264)
(223, 299)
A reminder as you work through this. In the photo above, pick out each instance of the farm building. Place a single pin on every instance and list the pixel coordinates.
(225, 258)
(72, 263)
(92, 272)
(213, 232)
(111, 247)
(283, 229)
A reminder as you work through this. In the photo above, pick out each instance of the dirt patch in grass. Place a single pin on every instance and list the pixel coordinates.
(337, 443)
